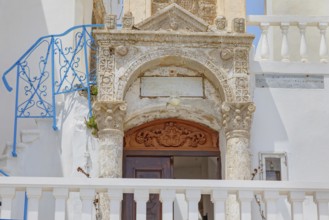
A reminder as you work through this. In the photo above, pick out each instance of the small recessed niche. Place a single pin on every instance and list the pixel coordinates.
(274, 166)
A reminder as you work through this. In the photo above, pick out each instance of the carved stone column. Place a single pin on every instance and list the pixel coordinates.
(109, 117)
(237, 118)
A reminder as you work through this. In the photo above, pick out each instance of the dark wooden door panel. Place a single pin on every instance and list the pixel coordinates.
(145, 167)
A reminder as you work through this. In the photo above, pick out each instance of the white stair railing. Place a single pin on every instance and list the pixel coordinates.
(219, 191)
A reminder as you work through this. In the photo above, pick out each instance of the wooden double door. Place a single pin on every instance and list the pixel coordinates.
(150, 168)
(150, 149)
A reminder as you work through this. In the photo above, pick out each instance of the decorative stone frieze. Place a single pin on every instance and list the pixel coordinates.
(241, 60)
(106, 71)
(237, 118)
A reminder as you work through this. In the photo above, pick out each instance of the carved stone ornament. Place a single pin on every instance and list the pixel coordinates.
(110, 21)
(237, 116)
(128, 21)
(109, 115)
(174, 18)
(106, 73)
(221, 23)
(122, 50)
(239, 25)
(169, 134)
(241, 60)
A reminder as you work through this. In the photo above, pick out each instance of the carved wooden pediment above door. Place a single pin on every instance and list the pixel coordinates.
(171, 135)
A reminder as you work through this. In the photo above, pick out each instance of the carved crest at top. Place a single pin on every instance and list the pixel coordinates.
(173, 18)
(169, 134)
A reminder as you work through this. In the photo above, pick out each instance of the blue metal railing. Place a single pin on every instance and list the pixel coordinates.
(49, 63)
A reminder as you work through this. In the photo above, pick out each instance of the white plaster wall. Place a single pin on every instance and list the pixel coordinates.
(22, 23)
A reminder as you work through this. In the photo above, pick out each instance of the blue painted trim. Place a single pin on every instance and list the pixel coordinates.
(26, 205)
(3, 173)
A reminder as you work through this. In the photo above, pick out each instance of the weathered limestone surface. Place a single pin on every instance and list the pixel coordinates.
(174, 43)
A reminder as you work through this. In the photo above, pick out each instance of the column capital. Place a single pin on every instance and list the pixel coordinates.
(109, 114)
(237, 118)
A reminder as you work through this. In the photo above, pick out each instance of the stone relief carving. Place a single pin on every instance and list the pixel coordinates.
(171, 135)
(221, 23)
(126, 54)
(171, 71)
(168, 134)
(106, 73)
(241, 60)
(239, 25)
(237, 116)
(110, 21)
(205, 9)
(242, 89)
(174, 18)
(122, 50)
(109, 115)
(128, 21)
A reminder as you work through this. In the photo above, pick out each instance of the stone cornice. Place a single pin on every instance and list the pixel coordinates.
(135, 37)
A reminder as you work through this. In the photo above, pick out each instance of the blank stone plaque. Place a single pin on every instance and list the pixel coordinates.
(172, 86)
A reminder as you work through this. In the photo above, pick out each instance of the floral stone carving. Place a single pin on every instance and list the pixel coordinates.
(170, 134)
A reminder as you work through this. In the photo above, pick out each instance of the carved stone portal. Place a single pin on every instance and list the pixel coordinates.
(171, 134)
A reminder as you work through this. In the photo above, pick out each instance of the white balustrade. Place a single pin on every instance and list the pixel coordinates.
(245, 198)
(218, 197)
(322, 200)
(271, 199)
(303, 51)
(269, 22)
(296, 199)
(33, 194)
(218, 190)
(87, 196)
(141, 196)
(60, 195)
(7, 194)
(323, 52)
(167, 198)
(284, 45)
(115, 197)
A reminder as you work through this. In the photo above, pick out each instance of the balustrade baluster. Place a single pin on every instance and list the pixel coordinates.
(323, 52)
(322, 200)
(296, 199)
(285, 44)
(60, 195)
(219, 197)
(115, 197)
(167, 198)
(141, 196)
(303, 43)
(87, 196)
(265, 47)
(33, 194)
(245, 198)
(7, 195)
(271, 198)
(193, 197)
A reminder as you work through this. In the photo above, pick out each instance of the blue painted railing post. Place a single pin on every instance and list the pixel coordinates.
(52, 43)
(87, 71)
(14, 154)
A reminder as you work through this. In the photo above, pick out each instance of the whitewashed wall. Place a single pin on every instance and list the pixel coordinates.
(22, 23)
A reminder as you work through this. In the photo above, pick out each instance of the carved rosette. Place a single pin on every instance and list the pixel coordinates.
(106, 71)
(237, 118)
(109, 115)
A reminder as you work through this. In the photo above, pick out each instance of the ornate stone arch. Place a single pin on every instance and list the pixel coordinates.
(183, 57)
